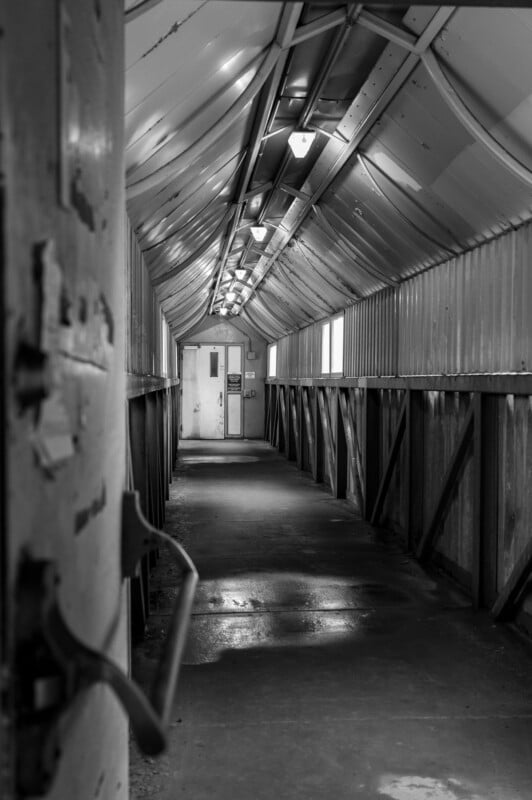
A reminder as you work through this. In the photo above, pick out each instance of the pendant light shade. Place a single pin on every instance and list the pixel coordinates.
(300, 142)
(258, 232)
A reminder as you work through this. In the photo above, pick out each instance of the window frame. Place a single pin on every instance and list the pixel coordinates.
(272, 348)
(165, 337)
(329, 325)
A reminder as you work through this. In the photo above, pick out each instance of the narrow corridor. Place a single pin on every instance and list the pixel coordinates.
(322, 661)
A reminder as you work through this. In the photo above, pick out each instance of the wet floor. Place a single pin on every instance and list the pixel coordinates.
(322, 662)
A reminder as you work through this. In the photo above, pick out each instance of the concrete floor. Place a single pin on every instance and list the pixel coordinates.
(322, 661)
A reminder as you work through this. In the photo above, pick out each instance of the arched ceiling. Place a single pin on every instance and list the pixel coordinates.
(423, 148)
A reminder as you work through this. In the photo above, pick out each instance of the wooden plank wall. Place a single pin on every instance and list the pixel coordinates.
(153, 411)
(153, 438)
(484, 526)
(489, 494)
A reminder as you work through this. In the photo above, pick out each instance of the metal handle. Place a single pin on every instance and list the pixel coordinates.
(139, 537)
(83, 666)
(221, 400)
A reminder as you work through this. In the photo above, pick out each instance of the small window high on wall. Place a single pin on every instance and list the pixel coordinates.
(332, 346)
(272, 361)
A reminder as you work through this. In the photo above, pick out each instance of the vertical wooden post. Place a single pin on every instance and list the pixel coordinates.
(137, 437)
(267, 388)
(300, 426)
(319, 443)
(415, 468)
(285, 419)
(290, 431)
(167, 444)
(489, 500)
(371, 446)
(477, 547)
(176, 410)
(161, 488)
(308, 426)
(341, 466)
(279, 439)
(139, 457)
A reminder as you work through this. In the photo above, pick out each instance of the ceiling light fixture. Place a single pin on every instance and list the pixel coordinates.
(258, 232)
(241, 274)
(231, 296)
(300, 142)
(224, 311)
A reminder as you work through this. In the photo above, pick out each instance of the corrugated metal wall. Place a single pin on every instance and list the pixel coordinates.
(470, 314)
(145, 348)
(370, 336)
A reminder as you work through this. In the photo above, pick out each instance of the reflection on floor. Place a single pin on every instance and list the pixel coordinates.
(322, 662)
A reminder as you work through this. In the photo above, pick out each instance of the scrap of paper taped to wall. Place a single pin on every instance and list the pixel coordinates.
(52, 438)
(74, 333)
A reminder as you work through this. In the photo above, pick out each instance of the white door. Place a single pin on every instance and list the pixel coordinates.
(203, 411)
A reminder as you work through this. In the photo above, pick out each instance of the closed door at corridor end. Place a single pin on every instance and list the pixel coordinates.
(211, 406)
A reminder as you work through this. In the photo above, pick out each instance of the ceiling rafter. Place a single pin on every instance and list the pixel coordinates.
(310, 104)
(365, 162)
(470, 122)
(350, 249)
(284, 266)
(318, 26)
(257, 190)
(388, 31)
(332, 283)
(185, 224)
(287, 24)
(361, 244)
(254, 324)
(299, 210)
(181, 129)
(153, 221)
(139, 9)
(198, 253)
(330, 266)
(169, 170)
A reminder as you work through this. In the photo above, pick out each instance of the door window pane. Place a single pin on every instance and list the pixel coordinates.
(214, 365)
(234, 358)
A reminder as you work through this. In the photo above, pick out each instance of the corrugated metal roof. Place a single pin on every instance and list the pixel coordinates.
(394, 182)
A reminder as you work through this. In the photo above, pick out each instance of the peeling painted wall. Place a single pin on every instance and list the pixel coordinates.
(63, 152)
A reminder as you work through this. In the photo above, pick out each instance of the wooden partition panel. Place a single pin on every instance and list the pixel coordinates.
(443, 463)
(153, 426)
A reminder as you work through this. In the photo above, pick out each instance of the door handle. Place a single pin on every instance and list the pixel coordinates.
(138, 538)
(53, 665)
(221, 399)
